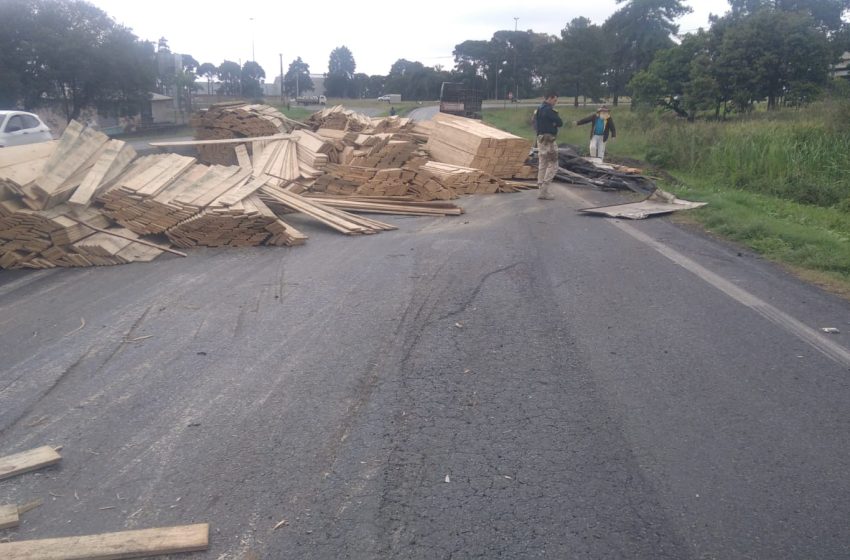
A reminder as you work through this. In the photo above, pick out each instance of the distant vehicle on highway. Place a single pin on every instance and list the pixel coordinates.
(312, 100)
(18, 128)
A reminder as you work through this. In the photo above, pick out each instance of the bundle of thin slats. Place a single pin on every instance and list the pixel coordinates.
(464, 180)
(526, 172)
(339, 118)
(339, 220)
(245, 223)
(106, 249)
(343, 179)
(417, 183)
(236, 120)
(20, 165)
(314, 152)
(26, 235)
(393, 123)
(276, 158)
(470, 143)
(77, 151)
(379, 151)
(131, 200)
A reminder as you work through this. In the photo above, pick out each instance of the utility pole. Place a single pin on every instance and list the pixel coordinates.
(253, 55)
(516, 80)
(281, 76)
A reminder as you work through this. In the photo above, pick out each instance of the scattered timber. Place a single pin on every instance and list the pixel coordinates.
(27, 461)
(111, 546)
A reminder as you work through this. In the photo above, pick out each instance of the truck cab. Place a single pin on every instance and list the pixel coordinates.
(457, 99)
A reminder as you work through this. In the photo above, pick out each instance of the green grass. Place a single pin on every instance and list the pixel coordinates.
(776, 183)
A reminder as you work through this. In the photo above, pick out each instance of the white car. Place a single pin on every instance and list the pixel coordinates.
(17, 128)
(384, 98)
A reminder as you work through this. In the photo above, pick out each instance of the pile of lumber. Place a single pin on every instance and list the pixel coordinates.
(343, 180)
(236, 120)
(378, 150)
(465, 180)
(414, 183)
(82, 160)
(246, 223)
(393, 123)
(418, 183)
(471, 143)
(85, 200)
(339, 118)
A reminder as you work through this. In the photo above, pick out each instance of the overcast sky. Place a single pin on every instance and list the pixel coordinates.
(377, 32)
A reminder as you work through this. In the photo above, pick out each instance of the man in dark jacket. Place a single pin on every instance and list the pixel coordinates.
(601, 127)
(547, 122)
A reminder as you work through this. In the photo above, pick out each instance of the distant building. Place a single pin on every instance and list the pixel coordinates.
(163, 110)
(841, 69)
(273, 89)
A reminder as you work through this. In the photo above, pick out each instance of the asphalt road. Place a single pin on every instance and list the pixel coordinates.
(518, 382)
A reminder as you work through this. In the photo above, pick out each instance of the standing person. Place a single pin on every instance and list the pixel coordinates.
(601, 126)
(547, 122)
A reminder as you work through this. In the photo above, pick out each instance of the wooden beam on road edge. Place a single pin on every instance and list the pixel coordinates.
(27, 461)
(112, 546)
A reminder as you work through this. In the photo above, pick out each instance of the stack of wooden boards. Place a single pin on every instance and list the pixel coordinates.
(470, 143)
(236, 120)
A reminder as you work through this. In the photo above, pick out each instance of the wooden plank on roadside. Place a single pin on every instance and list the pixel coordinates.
(9, 516)
(27, 461)
(112, 546)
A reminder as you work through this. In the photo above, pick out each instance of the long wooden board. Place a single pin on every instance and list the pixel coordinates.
(27, 461)
(220, 141)
(112, 546)
(9, 516)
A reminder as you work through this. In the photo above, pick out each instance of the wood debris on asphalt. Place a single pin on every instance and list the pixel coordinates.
(26, 461)
(86, 200)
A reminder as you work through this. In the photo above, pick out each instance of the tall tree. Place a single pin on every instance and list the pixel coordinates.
(297, 78)
(230, 75)
(341, 66)
(679, 79)
(637, 31)
(209, 71)
(771, 55)
(583, 58)
(74, 53)
(252, 76)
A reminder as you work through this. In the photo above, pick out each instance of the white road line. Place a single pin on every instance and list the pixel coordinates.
(813, 337)
(28, 279)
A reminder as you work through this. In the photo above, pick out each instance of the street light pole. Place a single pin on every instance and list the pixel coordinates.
(516, 80)
(253, 55)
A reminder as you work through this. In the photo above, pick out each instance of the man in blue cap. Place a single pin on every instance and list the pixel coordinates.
(601, 127)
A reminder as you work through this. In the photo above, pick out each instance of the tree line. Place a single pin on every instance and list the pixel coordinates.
(72, 53)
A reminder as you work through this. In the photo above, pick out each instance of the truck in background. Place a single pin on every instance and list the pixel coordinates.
(391, 98)
(457, 99)
(312, 100)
